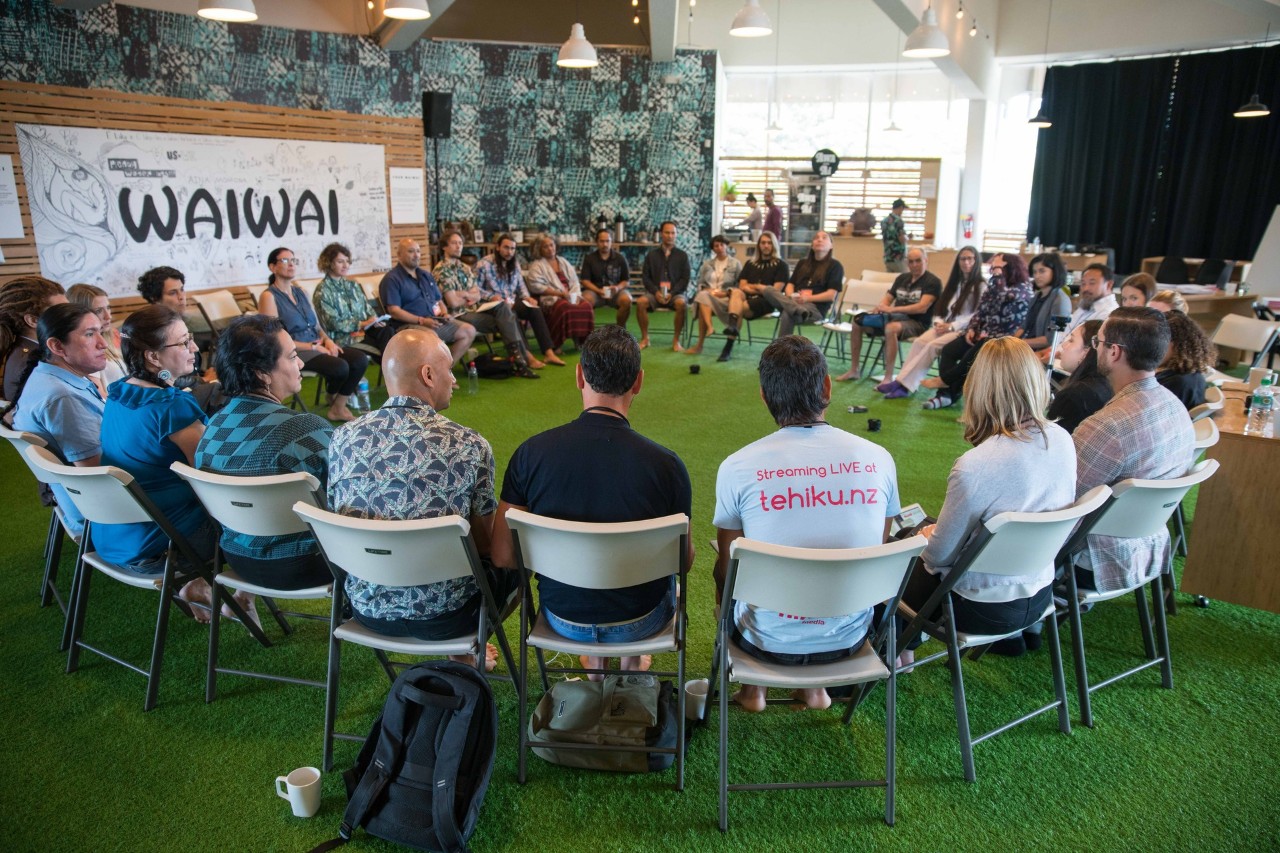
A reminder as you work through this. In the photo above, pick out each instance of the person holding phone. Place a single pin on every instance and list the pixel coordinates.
(341, 304)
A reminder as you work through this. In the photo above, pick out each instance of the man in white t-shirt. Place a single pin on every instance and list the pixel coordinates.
(808, 485)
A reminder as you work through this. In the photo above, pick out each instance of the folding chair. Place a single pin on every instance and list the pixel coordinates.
(816, 582)
(856, 295)
(108, 495)
(1012, 542)
(1206, 437)
(398, 553)
(255, 506)
(219, 308)
(600, 556)
(1137, 508)
(57, 525)
(1247, 334)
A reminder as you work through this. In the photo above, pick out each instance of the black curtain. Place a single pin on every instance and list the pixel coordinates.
(1145, 156)
(1092, 182)
(1222, 174)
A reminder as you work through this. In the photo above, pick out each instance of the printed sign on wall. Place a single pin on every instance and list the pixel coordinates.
(107, 205)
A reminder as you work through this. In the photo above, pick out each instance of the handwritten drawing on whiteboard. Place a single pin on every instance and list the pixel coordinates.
(107, 205)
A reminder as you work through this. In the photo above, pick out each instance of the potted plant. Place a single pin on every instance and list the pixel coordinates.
(729, 190)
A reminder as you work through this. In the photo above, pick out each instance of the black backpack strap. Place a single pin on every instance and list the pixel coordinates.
(326, 846)
(387, 756)
(444, 791)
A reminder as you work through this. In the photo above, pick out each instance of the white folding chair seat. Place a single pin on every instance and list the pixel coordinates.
(600, 557)
(109, 495)
(58, 528)
(1137, 509)
(399, 553)
(255, 506)
(815, 582)
(1017, 540)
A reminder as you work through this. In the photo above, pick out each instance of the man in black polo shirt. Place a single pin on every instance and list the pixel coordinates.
(814, 286)
(605, 277)
(598, 469)
(665, 275)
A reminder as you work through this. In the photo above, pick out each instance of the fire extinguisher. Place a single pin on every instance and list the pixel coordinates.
(967, 220)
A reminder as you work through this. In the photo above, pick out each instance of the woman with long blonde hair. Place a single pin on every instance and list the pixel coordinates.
(1020, 462)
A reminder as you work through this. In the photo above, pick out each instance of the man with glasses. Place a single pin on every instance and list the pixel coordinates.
(1143, 432)
(412, 298)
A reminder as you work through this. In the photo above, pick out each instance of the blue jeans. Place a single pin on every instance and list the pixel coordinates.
(618, 632)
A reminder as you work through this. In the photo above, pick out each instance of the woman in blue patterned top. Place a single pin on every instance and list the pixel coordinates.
(1002, 312)
(342, 368)
(255, 435)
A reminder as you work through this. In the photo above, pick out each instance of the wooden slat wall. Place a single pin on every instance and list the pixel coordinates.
(32, 103)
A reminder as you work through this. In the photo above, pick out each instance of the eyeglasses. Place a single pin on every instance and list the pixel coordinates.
(185, 343)
(1097, 341)
(290, 261)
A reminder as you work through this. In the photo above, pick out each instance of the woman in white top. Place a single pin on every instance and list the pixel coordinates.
(956, 306)
(717, 275)
(96, 300)
(1019, 462)
(554, 283)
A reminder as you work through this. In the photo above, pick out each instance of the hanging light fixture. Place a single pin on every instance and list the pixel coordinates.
(1041, 120)
(232, 11)
(1255, 108)
(751, 22)
(893, 95)
(927, 41)
(960, 11)
(577, 52)
(407, 10)
(973, 31)
(774, 126)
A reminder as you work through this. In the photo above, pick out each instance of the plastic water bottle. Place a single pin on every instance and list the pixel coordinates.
(473, 378)
(362, 396)
(1262, 416)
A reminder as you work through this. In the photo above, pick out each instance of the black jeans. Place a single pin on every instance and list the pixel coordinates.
(342, 373)
(955, 362)
(538, 322)
(974, 617)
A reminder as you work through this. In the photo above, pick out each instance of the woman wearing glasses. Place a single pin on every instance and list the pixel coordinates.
(96, 300)
(147, 425)
(342, 368)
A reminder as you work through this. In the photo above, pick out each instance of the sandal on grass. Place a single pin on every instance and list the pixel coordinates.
(940, 402)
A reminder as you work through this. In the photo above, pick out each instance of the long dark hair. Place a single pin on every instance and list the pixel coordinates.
(28, 294)
(142, 333)
(1088, 366)
(1051, 261)
(1015, 270)
(960, 289)
(59, 322)
(273, 257)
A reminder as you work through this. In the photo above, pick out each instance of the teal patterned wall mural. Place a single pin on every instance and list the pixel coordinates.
(531, 142)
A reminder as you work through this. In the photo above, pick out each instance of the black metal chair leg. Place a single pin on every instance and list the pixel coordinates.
(1144, 622)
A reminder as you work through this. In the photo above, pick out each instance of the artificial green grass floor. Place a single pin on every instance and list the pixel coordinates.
(1194, 768)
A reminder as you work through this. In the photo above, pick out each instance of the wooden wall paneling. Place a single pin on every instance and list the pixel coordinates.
(33, 103)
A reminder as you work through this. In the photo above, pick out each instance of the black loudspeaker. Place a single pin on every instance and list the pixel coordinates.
(437, 114)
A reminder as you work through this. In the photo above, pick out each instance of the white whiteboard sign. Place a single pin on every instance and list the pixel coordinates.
(107, 205)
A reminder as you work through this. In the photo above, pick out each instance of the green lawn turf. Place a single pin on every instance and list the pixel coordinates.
(1194, 768)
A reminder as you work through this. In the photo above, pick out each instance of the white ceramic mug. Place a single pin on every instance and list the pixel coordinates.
(573, 298)
(302, 789)
(695, 698)
(608, 292)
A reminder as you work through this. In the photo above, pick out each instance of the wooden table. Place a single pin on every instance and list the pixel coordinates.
(1232, 553)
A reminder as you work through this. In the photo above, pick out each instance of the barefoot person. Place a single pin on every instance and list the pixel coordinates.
(756, 491)
(598, 469)
(407, 461)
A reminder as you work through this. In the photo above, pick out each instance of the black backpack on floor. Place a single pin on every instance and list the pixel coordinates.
(423, 771)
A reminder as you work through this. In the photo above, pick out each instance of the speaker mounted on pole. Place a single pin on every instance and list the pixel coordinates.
(437, 114)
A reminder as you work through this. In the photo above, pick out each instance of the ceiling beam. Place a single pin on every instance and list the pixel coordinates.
(663, 20)
(971, 65)
(394, 34)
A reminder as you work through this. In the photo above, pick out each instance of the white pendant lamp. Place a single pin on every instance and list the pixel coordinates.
(232, 11)
(927, 41)
(407, 10)
(577, 52)
(751, 22)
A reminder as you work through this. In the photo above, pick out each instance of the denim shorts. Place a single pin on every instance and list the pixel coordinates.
(616, 632)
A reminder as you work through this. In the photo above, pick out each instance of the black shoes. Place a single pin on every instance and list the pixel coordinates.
(727, 351)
